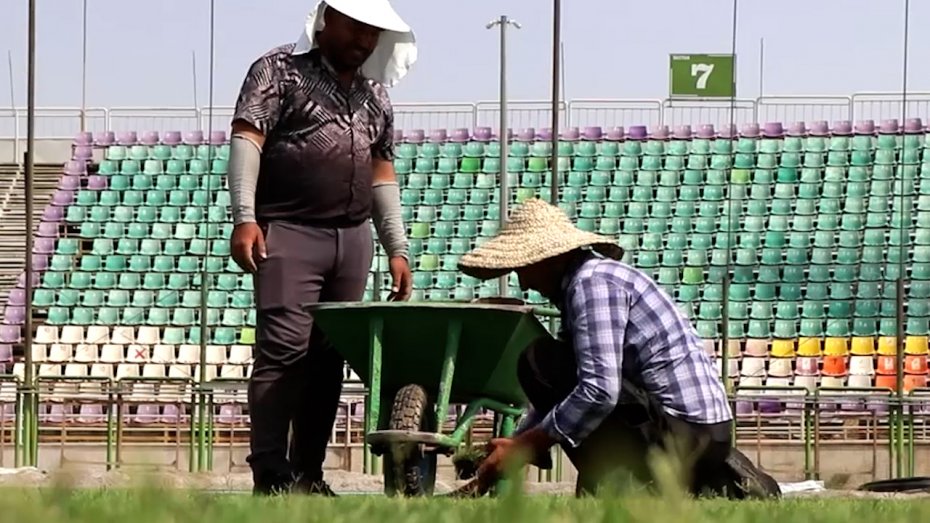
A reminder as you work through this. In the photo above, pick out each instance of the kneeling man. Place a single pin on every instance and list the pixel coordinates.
(628, 374)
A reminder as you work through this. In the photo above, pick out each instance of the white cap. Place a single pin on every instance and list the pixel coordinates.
(396, 51)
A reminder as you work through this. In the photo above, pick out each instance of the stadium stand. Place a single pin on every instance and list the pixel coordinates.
(812, 224)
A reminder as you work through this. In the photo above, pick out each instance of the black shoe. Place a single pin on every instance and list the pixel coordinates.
(313, 487)
(272, 484)
(750, 479)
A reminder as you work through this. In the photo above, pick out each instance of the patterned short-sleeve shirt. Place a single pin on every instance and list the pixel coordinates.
(320, 138)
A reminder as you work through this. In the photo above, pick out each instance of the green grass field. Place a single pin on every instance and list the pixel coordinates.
(159, 506)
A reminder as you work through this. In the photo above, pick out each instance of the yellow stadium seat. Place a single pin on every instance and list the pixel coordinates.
(809, 347)
(863, 346)
(916, 345)
(734, 348)
(836, 347)
(887, 346)
(782, 348)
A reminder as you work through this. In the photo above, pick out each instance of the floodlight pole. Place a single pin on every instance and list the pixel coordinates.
(84, 69)
(502, 133)
(556, 68)
(29, 411)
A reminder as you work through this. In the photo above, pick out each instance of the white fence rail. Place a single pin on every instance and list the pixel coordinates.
(63, 123)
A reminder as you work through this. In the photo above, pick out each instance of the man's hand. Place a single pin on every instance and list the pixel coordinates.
(504, 454)
(247, 246)
(401, 279)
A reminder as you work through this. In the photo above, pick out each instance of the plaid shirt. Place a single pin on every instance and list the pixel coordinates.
(624, 326)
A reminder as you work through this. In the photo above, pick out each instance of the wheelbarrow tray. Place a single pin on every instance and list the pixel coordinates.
(414, 338)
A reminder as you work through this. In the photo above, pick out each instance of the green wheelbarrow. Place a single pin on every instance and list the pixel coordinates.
(417, 358)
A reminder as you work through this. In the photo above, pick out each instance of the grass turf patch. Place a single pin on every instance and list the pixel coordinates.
(161, 506)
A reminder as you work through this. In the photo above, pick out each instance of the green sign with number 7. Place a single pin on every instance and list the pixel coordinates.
(702, 76)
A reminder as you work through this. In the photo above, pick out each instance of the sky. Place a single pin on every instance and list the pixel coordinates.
(140, 52)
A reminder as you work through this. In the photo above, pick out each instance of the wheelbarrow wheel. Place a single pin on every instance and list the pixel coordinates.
(412, 472)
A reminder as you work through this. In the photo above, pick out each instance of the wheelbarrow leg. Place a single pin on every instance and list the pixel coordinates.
(453, 336)
(373, 410)
(507, 427)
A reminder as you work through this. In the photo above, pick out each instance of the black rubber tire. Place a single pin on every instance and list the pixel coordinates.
(915, 484)
(415, 475)
(751, 481)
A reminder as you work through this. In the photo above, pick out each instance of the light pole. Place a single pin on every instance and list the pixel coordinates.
(503, 22)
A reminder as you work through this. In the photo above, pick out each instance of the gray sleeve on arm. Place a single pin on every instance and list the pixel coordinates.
(388, 219)
(244, 162)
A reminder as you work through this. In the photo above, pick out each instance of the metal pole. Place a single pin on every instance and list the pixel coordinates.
(194, 75)
(29, 407)
(203, 438)
(725, 317)
(503, 22)
(904, 234)
(554, 159)
(84, 70)
(761, 67)
(9, 61)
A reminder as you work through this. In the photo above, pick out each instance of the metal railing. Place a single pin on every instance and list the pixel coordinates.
(63, 123)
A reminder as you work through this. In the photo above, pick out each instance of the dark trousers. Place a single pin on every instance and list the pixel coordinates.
(297, 376)
(618, 449)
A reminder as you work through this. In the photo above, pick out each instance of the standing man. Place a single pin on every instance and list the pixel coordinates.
(630, 373)
(311, 165)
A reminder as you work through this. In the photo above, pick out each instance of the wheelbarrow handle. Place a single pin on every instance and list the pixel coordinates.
(547, 312)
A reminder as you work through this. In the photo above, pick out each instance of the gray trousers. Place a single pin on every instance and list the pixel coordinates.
(297, 376)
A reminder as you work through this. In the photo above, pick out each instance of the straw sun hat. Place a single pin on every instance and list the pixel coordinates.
(536, 231)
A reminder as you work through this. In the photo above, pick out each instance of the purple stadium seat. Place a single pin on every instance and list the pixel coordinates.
(526, 135)
(146, 414)
(572, 134)
(193, 137)
(217, 137)
(728, 131)
(750, 130)
(842, 128)
(398, 135)
(150, 138)
(47, 229)
(40, 262)
(96, 182)
(17, 297)
(865, 127)
(53, 213)
(105, 138)
(592, 133)
(63, 197)
(544, 134)
(84, 138)
(637, 132)
(773, 130)
(438, 136)
(706, 131)
(89, 413)
(82, 152)
(229, 415)
(460, 135)
(75, 167)
(416, 136)
(820, 128)
(128, 138)
(889, 126)
(69, 182)
(6, 353)
(171, 415)
(10, 334)
(171, 138)
(616, 134)
(14, 315)
(659, 132)
(44, 245)
(682, 132)
(797, 129)
(913, 126)
(21, 282)
(744, 408)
